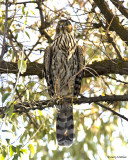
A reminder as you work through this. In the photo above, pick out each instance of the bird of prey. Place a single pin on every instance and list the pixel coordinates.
(63, 64)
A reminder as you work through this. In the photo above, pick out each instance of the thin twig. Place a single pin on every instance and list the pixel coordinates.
(110, 39)
(114, 112)
(5, 31)
(15, 3)
(117, 79)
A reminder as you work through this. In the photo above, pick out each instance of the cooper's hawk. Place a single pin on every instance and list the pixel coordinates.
(63, 63)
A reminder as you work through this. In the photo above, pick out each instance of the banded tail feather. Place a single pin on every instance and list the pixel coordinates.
(77, 86)
(64, 125)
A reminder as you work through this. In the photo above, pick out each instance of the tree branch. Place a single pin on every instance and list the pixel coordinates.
(26, 106)
(14, 3)
(10, 67)
(5, 31)
(120, 7)
(41, 105)
(114, 112)
(117, 80)
(104, 67)
(110, 40)
(112, 20)
(44, 24)
(96, 68)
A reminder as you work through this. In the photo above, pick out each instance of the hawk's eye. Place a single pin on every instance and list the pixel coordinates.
(67, 23)
(60, 23)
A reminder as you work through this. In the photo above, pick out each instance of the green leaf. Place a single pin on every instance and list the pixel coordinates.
(23, 151)
(40, 112)
(5, 131)
(25, 22)
(15, 157)
(7, 140)
(32, 150)
(2, 157)
(21, 17)
(31, 84)
(5, 96)
(10, 111)
(4, 150)
(11, 151)
(27, 34)
(16, 36)
(23, 11)
(32, 12)
(18, 148)
(14, 149)
(22, 66)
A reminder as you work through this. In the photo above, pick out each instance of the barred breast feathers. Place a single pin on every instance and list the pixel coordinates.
(64, 42)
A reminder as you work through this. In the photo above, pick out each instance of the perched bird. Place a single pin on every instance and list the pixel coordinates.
(63, 67)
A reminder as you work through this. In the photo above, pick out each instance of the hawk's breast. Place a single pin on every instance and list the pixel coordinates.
(64, 63)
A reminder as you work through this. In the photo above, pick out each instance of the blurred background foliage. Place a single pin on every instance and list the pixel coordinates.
(31, 28)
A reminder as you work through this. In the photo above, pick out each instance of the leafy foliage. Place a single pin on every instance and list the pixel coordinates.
(31, 27)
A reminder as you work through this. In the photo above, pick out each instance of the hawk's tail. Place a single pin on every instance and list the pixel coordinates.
(65, 125)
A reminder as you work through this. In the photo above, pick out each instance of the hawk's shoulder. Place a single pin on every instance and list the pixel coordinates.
(47, 57)
(47, 69)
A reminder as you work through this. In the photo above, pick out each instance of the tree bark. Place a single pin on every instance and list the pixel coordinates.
(112, 20)
(40, 105)
(114, 66)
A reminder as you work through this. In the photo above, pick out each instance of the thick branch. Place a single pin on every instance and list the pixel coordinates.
(104, 67)
(26, 106)
(10, 67)
(21, 107)
(44, 24)
(121, 8)
(112, 20)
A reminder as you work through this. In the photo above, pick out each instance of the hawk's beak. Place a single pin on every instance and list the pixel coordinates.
(62, 27)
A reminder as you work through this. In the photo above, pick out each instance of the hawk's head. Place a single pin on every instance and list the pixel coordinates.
(64, 26)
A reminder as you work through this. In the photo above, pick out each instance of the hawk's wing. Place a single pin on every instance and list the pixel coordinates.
(80, 69)
(47, 70)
